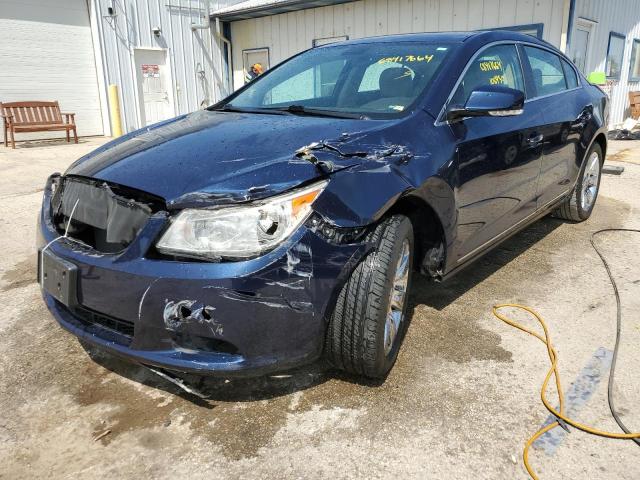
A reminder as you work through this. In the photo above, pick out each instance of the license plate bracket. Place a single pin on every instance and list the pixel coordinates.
(58, 277)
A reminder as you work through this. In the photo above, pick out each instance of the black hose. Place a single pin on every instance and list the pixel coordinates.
(618, 327)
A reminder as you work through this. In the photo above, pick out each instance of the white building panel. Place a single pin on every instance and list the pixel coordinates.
(288, 33)
(193, 55)
(621, 16)
(46, 53)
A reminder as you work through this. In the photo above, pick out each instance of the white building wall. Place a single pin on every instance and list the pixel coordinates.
(46, 54)
(190, 51)
(289, 33)
(621, 16)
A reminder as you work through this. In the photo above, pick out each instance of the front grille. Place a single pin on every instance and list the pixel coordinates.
(106, 217)
(92, 317)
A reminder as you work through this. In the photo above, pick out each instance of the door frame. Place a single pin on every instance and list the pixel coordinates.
(590, 27)
(138, 78)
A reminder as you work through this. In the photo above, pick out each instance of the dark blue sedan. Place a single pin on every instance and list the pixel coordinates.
(285, 222)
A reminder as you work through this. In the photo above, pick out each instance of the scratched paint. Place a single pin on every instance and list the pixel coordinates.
(579, 393)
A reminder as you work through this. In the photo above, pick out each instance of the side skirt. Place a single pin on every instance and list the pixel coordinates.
(479, 252)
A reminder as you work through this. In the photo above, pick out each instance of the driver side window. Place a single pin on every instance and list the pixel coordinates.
(497, 65)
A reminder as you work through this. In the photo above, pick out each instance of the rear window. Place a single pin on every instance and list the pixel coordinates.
(570, 75)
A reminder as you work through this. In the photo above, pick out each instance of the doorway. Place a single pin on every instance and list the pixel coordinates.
(153, 76)
(581, 44)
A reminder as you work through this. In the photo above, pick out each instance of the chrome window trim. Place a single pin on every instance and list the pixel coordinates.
(439, 120)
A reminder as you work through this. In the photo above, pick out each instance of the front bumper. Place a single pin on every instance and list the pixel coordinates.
(249, 317)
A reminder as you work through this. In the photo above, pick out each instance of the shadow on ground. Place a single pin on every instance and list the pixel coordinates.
(52, 142)
(424, 292)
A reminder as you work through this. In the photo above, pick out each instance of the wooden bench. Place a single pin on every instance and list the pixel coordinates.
(35, 117)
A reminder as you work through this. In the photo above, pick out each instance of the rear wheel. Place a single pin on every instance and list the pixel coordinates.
(579, 205)
(369, 320)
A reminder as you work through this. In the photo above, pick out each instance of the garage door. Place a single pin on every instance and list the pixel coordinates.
(46, 53)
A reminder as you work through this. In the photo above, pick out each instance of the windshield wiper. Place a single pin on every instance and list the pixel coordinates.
(228, 107)
(319, 112)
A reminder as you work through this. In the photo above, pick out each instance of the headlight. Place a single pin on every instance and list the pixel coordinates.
(238, 232)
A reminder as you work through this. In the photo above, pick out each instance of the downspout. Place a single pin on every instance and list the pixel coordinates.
(566, 27)
(572, 12)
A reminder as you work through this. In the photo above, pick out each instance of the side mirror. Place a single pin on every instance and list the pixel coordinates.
(489, 101)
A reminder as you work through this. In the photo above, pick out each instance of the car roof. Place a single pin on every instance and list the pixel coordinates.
(447, 37)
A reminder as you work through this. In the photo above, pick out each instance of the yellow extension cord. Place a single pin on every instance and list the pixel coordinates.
(553, 370)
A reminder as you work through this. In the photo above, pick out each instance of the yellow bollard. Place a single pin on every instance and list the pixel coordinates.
(114, 111)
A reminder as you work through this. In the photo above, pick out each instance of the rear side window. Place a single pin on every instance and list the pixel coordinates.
(548, 74)
(570, 75)
(497, 65)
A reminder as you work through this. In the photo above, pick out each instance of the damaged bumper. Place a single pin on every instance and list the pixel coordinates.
(248, 317)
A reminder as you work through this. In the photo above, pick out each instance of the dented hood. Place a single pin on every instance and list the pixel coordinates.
(221, 157)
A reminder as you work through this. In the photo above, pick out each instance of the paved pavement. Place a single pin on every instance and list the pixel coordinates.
(460, 403)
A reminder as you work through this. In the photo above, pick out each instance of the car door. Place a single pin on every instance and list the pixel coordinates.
(498, 161)
(556, 91)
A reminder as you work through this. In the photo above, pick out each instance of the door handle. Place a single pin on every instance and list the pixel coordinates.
(534, 141)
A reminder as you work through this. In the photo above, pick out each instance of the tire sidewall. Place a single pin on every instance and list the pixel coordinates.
(583, 212)
(385, 362)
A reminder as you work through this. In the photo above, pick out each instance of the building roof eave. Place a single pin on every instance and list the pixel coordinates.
(263, 8)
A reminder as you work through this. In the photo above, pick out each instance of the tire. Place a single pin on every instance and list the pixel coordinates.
(355, 340)
(578, 206)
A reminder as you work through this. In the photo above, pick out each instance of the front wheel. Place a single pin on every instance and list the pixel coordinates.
(369, 321)
(579, 205)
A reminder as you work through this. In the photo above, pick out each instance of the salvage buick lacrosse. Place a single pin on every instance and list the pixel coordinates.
(285, 222)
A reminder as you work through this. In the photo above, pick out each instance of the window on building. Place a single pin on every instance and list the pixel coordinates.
(634, 71)
(255, 61)
(497, 65)
(615, 55)
(548, 74)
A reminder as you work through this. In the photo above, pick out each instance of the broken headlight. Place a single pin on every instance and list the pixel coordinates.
(241, 231)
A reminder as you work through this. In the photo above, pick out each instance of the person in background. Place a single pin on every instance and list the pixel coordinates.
(255, 70)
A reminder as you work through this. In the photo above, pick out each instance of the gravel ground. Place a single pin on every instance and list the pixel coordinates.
(460, 402)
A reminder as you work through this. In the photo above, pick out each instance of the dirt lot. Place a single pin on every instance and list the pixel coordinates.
(460, 403)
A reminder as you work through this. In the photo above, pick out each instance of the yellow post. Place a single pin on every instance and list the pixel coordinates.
(114, 111)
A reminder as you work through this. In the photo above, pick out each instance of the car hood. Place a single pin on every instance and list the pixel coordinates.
(212, 156)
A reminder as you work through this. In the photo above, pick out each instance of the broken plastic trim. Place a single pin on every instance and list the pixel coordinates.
(334, 235)
(107, 217)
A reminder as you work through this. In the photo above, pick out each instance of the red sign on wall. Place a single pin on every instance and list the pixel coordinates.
(149, 70)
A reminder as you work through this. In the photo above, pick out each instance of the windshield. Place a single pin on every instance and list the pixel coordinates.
(376, 80)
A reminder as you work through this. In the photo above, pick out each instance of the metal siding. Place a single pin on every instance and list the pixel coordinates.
(189, 51)
(382, 17)
(624, 18)
(47, 54)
